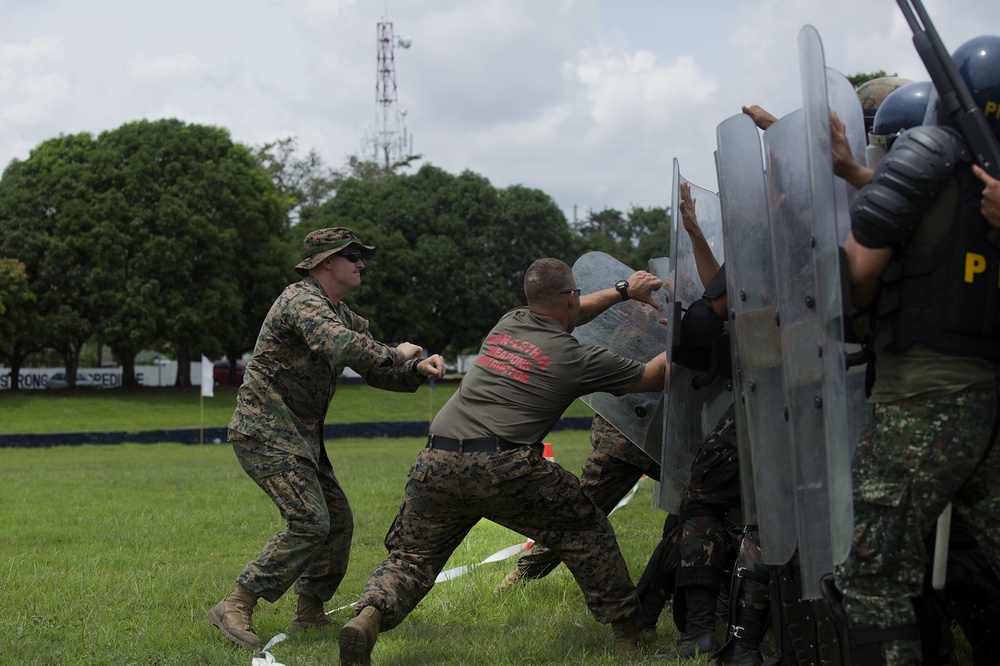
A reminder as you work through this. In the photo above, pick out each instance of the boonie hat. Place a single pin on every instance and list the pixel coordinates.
(320, 244)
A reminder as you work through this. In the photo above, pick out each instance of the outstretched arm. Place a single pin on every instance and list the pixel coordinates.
(641, 286)
(706, 262)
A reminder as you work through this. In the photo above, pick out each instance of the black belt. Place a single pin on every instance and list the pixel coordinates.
(474, 445)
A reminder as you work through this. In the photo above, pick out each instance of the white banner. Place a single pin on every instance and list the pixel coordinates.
(207, 380)
(162, 373)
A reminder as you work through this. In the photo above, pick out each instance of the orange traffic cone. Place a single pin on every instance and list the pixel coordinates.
(547, 452)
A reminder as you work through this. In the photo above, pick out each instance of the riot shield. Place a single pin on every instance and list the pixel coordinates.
(795, 286)
(631, 330)
(693, 401)
(766, 457)
(843, 397)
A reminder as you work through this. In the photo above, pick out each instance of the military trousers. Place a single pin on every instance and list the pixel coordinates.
(913, 458)
(707, 542)
(609, 473)
(448, 493)
(313, 548)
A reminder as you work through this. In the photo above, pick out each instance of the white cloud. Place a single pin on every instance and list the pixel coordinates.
(587, 100)
(163, 67)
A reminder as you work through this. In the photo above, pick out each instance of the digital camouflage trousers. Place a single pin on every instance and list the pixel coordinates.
(448, 493)
(313, 548)
(610, 471)
(913, 458)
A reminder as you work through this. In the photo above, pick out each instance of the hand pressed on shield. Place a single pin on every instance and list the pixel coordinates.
(761, 118)
(844, 164)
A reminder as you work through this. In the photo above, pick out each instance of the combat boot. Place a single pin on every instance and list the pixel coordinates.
(308, 615)
(234, 618)
(511, 581)
(358, 637)
(626, 635)
(699, 635)
(743, 647)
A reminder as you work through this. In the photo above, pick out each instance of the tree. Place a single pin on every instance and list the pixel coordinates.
(862, 77)
(150, 235)
(13, 284)
(205, 214)
(452, 251)
(46, 202)
(633, 239)
(303, 183)
(20, 324)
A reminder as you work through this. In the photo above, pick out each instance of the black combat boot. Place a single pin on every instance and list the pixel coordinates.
(699, 635)
(743, 647)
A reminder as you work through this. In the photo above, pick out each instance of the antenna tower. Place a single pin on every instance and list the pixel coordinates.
(388, 143)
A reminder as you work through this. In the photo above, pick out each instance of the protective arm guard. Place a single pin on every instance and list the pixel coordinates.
(906, 181)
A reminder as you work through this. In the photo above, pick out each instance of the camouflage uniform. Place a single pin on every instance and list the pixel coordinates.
(529, 370)
(705, 540)
(930, 434)
(915, 455)
(304, 345)
(609, 472)
(449, 492)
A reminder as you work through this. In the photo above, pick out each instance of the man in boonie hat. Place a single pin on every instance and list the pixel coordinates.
(320, 244)
(307, 339)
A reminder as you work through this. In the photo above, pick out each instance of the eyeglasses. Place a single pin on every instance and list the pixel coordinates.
(569, 291)
(353, 257)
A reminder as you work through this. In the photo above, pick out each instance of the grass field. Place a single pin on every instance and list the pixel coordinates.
(113, 554)
(154, 408)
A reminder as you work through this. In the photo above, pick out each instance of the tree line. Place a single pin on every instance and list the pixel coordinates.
(162, 235)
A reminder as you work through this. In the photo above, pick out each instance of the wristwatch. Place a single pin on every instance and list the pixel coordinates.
(622, 287)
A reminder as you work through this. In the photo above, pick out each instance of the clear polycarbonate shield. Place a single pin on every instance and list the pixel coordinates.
(756, 341)
(795, 286)
(632, 330)
(690, 409)
(823, 90)
(748, 494)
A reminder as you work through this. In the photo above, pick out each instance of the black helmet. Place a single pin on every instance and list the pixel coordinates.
(978, 61)
(902, 109)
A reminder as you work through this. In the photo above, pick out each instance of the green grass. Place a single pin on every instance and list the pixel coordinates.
(113, 554)
(153, 408)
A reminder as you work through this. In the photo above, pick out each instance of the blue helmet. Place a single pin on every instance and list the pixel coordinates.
(901, 109)
(978, 61)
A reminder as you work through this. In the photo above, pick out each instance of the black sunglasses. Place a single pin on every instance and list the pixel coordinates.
(353, 257)
(569, 291)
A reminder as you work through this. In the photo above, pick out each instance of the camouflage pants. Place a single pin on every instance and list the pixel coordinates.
(751, 573)
(915, 456)
(609, 473)
(313, 548)
(707, 549)
(448, 493)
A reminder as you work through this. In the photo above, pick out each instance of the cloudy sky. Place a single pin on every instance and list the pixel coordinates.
(589, 101)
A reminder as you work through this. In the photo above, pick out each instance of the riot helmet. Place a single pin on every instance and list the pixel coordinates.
(978, 61)
(902, 109)
(871, 93)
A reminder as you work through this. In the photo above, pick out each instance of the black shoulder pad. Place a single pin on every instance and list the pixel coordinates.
(906, 181)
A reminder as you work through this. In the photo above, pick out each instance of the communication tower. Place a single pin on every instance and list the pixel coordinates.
(388, 142)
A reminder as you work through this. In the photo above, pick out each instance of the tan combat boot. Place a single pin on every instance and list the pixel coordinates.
(626, 635)
(234, 618)
(358, 637)
(308, 615)
(511, 581)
